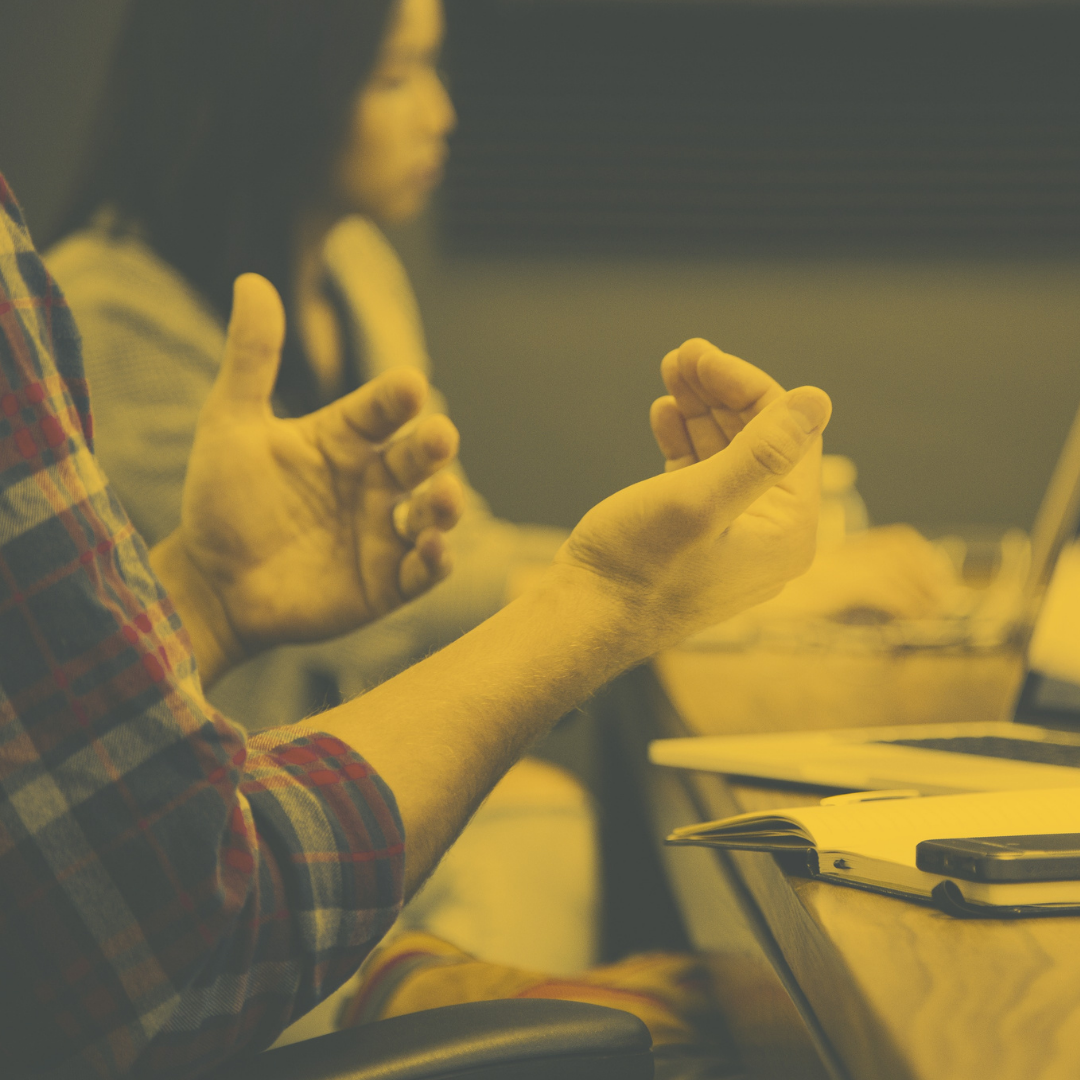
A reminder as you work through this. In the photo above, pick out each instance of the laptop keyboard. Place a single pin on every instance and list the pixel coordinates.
(1042, 753)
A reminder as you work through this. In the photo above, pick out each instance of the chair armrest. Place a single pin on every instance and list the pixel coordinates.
(516, 1039)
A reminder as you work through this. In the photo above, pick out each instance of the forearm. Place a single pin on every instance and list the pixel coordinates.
(442, 733)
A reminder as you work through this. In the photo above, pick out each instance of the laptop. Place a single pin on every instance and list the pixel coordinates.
(1039, 747)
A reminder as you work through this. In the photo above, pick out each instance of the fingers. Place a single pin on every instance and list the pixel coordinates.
(716, 392)
(768, 449)
(348, 430)
(252, 355)
(669, 430)
(437, 504)
(425, 565)
(706, 434)
(378, 408)
(724, 381)
(423, 519)
(421, 450)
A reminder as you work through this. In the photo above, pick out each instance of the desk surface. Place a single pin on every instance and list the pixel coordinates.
(894, 989)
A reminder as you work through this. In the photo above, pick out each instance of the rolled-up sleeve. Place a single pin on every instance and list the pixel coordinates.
(171, 893)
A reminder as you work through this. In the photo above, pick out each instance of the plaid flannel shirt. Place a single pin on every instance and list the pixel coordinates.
(170, 892)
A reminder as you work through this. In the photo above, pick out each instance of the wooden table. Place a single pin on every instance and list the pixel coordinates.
(821, 981)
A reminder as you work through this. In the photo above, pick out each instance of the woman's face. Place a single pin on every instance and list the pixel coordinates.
(396, 144)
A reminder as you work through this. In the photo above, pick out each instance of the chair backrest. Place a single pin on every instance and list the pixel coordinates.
(528, 1039)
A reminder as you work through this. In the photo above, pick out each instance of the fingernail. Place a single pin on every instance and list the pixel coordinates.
(808, 410)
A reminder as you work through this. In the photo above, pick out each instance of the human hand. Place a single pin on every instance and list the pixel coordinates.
(892, 572)
(733, 517)
(289, 525)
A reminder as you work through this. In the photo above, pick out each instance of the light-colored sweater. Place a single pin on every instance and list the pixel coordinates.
(153, 345)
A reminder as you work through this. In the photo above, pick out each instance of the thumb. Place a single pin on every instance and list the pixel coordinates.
(253, 345)
(768, 449)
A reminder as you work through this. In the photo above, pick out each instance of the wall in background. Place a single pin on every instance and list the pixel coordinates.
(953, 381)
(954, 378)
(678, 126)
(53, 56)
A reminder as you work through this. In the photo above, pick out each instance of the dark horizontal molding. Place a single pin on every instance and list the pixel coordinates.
(619, 125)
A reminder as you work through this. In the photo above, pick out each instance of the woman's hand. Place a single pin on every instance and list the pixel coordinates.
(891, 572)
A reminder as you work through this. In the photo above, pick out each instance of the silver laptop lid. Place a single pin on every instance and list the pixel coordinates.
(1043, 700)
(1055, 524)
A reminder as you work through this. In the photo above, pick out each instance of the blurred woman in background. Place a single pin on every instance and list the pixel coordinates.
(273, 136)
(269, 136)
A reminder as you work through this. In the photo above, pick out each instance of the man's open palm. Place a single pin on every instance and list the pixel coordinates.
(291, 523)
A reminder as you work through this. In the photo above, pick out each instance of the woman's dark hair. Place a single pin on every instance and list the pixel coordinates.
(220, 123)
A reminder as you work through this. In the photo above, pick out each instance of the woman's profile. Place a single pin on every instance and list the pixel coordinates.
(270, 137)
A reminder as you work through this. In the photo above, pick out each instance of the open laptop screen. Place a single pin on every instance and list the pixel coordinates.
(1048, 702)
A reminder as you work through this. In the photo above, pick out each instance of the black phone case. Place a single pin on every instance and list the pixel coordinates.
(1046, 857)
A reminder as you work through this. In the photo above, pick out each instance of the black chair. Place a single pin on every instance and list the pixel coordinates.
(517, 1039)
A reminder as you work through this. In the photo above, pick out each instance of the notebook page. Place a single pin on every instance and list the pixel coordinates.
(890, 829)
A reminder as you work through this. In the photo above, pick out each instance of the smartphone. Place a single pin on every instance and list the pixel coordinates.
(1045, 857)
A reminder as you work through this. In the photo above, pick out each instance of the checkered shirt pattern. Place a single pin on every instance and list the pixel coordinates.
(171, 893)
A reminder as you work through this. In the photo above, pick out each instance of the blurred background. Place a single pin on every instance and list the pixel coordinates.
(883, 199)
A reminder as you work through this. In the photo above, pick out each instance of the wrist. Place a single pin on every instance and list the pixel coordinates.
(610, 619)
(213, 641)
